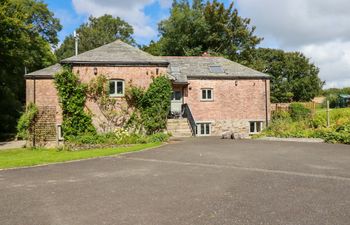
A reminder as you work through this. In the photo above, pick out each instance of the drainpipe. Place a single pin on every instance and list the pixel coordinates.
(34, 100)
(266, 105)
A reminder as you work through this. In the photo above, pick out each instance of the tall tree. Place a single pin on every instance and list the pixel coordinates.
(95, 33)
(209, 27)
(293, 76)
(28, 30)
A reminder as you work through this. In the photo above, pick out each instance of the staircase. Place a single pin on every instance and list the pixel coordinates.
(179, 127)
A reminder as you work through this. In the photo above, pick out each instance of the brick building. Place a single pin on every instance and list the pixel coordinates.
(211, 95)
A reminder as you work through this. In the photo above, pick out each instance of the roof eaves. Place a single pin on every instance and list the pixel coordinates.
(119, 63)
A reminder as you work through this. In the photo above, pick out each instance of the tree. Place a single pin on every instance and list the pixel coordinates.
(210, 27)
(28, 30)
(95, 33)
(293, 76)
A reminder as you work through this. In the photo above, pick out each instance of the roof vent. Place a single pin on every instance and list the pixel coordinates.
(216, 69)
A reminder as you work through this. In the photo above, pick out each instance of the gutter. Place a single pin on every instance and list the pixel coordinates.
(230, 77)
(115, 63)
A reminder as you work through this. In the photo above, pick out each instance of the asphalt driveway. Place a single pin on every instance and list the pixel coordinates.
(196, 181)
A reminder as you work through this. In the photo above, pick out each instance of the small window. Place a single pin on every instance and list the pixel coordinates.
(116, 88)
(203, 129)
(207, 94)
(176, 96)
(59, 132)
(216, 69)
(175, 69)
(255, 127)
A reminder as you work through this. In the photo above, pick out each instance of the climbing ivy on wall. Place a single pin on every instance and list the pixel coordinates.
(26, 121)
(151, 106)
(72, 96)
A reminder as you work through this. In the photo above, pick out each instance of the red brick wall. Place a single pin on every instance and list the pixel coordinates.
(45, 95)
(140, 76)
(246, 101)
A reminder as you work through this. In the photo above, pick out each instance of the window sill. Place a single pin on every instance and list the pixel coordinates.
(207, 100)
(116, 96)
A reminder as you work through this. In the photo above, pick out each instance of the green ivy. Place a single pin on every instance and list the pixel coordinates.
(72, 96)
(26, 121)
(151, 106)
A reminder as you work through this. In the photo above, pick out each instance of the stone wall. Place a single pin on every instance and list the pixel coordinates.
(235, 103)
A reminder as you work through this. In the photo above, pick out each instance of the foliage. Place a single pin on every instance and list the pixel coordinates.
(72, 96)
(280, 115)
(211, 27)
(314, 127)
(293, 76)
(333, 97)
(29, 157)
(28, 30)
(298, 111)
(95, 33)
(119, 137)
(26, 121)
(151, 106)
(158, 137)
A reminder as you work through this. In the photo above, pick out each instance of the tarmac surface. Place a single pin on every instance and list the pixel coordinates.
(193, 181)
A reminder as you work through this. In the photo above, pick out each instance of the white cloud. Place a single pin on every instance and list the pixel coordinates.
(131, 11)
(320, 29)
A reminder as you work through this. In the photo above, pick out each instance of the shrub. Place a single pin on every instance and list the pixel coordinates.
(299, 112)
(26, 121)
(152, 106)
(276, 115)
(158, 137)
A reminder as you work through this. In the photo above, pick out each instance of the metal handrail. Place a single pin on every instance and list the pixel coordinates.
(188, 114)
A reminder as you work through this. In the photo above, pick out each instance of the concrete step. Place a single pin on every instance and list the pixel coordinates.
(179, 127)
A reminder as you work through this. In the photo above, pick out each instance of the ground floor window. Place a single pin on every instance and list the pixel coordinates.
(203, 129)
(256, 127)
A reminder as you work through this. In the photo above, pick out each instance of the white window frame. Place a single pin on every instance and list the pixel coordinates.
(59, 132)
(206, 93)
(198, 129)
(116, 81)
(256, 131)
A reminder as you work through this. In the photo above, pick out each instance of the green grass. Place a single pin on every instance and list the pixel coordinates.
(31, 157)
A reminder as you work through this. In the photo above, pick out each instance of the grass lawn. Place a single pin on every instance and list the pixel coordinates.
(30, 157)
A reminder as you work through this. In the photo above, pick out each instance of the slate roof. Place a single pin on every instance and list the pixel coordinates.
(198, 67)
(180, 69)
(118, 53)
(47, 72)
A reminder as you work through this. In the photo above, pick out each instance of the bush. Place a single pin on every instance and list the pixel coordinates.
(277, 115)
(158, 137)
(26, 121)
(119, 137)
(299, 112)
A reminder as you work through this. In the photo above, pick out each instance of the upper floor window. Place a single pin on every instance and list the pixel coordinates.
(207, 94)
(116, 88)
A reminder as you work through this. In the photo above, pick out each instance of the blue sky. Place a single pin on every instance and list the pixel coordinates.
(319, 29)
(71, 18)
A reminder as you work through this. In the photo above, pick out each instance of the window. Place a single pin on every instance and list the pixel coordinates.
(59, 132)
(176, 96)
(255, 127)
(207, 94)
(203, 129)
(216, 69)
(116, 88)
